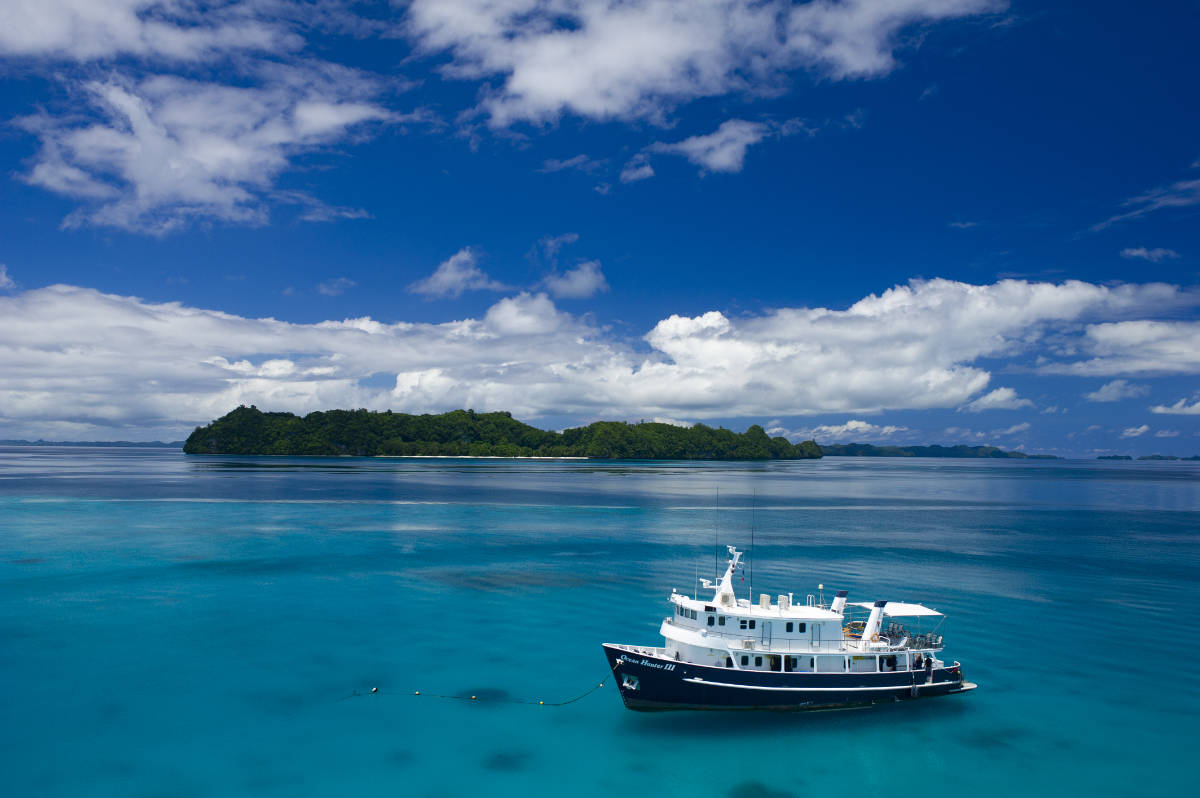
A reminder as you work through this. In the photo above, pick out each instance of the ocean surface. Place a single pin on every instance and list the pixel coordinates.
(212, 626)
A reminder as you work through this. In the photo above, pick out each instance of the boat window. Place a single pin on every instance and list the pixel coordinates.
(745, 659)
(720, 620)
(802, 628)
(758, 662)
(789, 626)
(791, 663)
(709, 609)
(751, 623)
(711, 620)
(742, 623)
(831, 664)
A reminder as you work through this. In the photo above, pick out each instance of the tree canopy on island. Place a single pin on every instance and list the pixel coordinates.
(365, 433)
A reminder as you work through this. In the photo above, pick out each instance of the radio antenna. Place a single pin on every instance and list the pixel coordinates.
(716, 540)
(753, 520)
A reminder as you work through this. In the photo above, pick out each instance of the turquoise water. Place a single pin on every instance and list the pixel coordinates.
(174, 626)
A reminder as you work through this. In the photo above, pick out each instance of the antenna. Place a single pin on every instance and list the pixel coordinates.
(716, 541)
(753, 521)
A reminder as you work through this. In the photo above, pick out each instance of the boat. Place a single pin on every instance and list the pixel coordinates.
(727, 653)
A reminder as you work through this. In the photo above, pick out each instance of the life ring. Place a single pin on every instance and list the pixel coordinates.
(875, 637)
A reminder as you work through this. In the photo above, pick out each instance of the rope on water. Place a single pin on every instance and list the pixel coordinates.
(375, 691)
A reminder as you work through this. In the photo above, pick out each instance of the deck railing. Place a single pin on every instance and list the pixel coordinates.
(747, 641)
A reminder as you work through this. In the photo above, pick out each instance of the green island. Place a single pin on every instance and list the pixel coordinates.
(869, 450)
(465, 433)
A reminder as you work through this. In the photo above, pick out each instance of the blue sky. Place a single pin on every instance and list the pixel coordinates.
(919, 221)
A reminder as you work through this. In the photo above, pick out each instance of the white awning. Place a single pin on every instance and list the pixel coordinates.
(897, 609)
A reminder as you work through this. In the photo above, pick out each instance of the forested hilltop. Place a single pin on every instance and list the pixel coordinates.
(364, 433)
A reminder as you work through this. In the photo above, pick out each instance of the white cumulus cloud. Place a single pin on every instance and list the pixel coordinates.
(71, 355)
(1135, 432)
(639, 59)
(852, 431)
(455, 275)
(1136, 347)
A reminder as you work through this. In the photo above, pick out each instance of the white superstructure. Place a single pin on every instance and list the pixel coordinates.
(793, 637)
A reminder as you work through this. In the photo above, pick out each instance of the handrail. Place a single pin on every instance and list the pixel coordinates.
(808, 646)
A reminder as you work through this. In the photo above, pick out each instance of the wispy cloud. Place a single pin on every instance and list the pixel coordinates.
(1153, 255)
(723, 150)
(1135, 432)
(84, 30)
(1180, 408)
(157, 153)
(1180, 194)
(580, 162)
(999, 399)
(964, 225)
(583, 281)
(6, 282)
(637, 168)
(336, 286)
(1117, 390)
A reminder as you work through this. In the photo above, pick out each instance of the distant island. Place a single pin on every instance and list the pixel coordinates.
(1168, 457)
(1115, 457)
(120, 444)
(465, 433)
(869, 450)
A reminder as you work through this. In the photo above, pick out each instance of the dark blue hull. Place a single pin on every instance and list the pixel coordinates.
(649, 682)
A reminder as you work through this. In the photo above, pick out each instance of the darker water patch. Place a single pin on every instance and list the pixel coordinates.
(992, 739)
(756, 789)
(27, 561)
(506, 761)
(486, 694)
(401, 757)
(502, 581)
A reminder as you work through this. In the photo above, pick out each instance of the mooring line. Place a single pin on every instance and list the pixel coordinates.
(376, 691)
